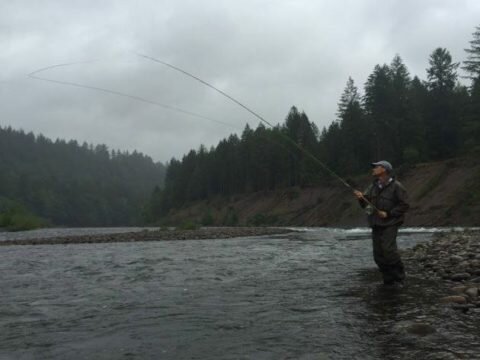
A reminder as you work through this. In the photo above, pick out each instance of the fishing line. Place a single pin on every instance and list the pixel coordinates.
(33, 75)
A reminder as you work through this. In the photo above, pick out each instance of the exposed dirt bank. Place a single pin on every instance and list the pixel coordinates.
(441, 194)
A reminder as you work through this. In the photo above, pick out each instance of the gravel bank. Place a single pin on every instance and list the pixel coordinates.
(153, 235)
(453, 259)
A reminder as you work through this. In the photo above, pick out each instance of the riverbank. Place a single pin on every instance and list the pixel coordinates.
(453, 260)
(154, 235)
(444, 193)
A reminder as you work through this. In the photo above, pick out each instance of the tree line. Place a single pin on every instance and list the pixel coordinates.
(397, 117)
(71, 184)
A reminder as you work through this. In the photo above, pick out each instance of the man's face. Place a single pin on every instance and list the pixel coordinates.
(378, 171)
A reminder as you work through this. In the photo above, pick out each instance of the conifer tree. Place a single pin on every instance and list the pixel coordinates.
(472, 64)
(442, 124)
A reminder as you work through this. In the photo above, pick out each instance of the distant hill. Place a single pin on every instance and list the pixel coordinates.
(75, 185)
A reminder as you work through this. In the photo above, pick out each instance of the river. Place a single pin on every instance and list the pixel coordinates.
(310, 295)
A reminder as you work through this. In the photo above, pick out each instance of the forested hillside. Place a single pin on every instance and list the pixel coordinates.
(71, 184)
(397, 117)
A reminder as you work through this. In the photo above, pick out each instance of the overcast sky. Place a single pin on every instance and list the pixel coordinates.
(269, 55)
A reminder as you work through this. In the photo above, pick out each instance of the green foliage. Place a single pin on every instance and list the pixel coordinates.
(472, 64)
(261, 219)
(411, 155)
(17, 218)
(76, 185)
(231, 217)
(188, 225)
(207, 219)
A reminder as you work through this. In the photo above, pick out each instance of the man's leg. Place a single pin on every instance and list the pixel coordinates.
(379, 256)
(391, 254)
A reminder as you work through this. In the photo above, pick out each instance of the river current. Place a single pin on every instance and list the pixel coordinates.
(309, 295)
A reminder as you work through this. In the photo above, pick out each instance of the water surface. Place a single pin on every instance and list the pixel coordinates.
(311, 295)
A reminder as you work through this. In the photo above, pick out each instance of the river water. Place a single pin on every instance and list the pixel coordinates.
(310, 295)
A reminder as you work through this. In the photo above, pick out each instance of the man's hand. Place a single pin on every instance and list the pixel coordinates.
(358, 194)
(382, 214)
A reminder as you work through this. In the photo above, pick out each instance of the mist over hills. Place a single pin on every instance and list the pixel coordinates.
(70, 184)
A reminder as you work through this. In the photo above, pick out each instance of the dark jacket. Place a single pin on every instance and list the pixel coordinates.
(392, 198)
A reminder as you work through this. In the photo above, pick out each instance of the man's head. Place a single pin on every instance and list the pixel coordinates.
(381, 168)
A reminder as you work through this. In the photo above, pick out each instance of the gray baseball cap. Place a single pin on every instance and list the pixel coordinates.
(383, 163)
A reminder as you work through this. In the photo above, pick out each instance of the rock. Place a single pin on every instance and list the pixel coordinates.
(460, 276)
(464, 307)
(455, 299)
(472, 293)
(459, 289)
(442, 273)
(475, 263)
(456, 258)
(420, 329)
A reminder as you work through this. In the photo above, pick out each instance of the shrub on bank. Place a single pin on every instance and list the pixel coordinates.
(231, 217)
(188, 225)
(261, 219)
(16, 218)
(207, 219)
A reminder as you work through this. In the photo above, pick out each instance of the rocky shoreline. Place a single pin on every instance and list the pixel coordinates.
(453, 259)
(154, 235)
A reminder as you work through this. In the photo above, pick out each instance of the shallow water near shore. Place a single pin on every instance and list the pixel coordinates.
(310, 295)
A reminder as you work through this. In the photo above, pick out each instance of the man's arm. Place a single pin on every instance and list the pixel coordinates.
(362, 197)
(402, 205)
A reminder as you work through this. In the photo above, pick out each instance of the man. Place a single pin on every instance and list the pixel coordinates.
(385, 201)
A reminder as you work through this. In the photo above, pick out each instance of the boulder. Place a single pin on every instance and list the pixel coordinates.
(454, 299)
(464, 307)
(460, 276)
(472, 293)
(420, 329)
(459, 289)
(455, 258)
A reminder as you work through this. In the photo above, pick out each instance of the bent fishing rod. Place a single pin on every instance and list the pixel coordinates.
(262, 119)
(34, 75)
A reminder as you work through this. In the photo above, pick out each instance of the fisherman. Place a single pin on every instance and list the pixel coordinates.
(385, 202)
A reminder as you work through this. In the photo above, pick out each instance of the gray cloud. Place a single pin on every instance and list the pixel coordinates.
(269, 54)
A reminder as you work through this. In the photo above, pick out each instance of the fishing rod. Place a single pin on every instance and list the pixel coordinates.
(34, 75)
(261, 118)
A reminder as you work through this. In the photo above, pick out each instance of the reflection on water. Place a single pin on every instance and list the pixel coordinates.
(312, 295)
